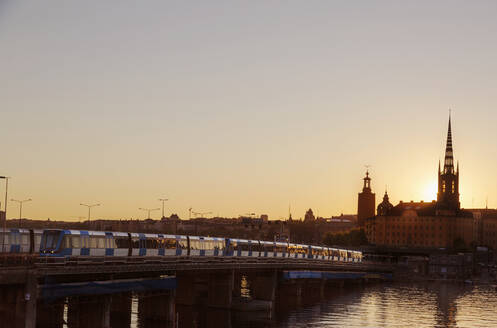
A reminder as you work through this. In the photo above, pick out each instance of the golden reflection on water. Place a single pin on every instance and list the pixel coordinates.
(416, 305)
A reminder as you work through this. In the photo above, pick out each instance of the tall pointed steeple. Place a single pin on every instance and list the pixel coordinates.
(449, 153)
(448, 179)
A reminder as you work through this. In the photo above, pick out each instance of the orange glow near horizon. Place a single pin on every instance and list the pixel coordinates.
(430, 191)
(258, 110)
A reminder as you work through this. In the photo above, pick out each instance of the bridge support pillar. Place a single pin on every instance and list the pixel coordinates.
(157, 309)
(217, 317)
(289, 295)
(185, 292)
(18, 303)
(263, 285)
(237, 285)
(120, 310)
(89, 312)
(50, 314)
(220, 289)
(313, 291)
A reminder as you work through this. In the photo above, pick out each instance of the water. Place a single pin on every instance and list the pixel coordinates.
(419, 305)
(398, 305)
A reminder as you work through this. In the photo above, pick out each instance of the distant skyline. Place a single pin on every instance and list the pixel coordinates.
(242, 107)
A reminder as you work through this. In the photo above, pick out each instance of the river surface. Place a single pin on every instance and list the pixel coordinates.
(400, 305)
(415, 305)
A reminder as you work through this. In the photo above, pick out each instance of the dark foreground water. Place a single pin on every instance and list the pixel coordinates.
(387, 305)
(394, 305)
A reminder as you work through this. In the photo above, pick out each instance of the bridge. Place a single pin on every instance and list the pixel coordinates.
(97, 292)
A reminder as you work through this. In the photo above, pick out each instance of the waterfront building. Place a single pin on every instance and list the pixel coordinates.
(437, 224)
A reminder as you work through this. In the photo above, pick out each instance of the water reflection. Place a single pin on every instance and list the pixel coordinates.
(420, 305)
(390, 305)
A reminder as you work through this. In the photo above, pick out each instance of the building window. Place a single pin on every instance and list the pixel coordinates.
(453, 187)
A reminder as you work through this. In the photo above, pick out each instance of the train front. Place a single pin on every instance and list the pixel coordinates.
(51, 242)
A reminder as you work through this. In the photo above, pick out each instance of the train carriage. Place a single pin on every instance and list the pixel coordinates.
(68, 243)
(242, 247)
(317, 252)
(267, 249)
(15, 241)
(357, 256)
(297, 251)
(280, 249)
(182, 246)
(213, 246)
(334, 254)
(195, 246)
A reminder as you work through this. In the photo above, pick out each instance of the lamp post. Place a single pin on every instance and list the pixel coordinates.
(5, 212)
(20, 207)
(89, 211)
(163, 200)
(149, 210)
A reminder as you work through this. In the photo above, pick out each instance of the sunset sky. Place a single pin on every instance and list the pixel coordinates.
(234, 107)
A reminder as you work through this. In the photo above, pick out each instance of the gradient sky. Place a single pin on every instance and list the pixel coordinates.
(243, 106)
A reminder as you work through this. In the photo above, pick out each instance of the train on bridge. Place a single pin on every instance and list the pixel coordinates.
(82, 243)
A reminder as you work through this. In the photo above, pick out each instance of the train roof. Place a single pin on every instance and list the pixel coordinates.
(242, 240)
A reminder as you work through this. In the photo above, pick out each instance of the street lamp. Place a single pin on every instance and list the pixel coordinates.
(163, 200)
(89, 211)
(149, 210)
(5, 212)
(20, 207)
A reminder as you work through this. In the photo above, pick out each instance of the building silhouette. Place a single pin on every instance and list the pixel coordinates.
(440, 223)
(366, 202)
(448, 179)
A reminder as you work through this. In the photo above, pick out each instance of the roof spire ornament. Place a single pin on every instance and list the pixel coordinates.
(449, 154)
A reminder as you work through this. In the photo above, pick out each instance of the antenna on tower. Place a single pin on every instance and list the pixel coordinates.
(486, 203)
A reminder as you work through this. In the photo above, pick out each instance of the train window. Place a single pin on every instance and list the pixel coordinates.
(170, 243)
(85, 241)
(183, 243)
(14, 238)
(194, 244)
(135, 242)
(66, 242)
(280, 248)
(75, 241)
(24, 239)
(151, 243)
(49, 239)
(221, 245)
(258, 247)
(269, 247)
(121, 242)
(243, 246)
(5, 237)
(110, 242)
(93, 242)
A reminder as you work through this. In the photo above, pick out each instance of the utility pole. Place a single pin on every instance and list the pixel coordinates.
(5, 212)
(20, 207)
(89, 211)
(149, 210)
(163, 200)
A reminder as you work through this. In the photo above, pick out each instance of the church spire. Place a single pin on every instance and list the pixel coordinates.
(449, 154)
(448, 179)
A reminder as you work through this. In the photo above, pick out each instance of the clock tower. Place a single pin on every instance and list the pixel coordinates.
(366, 202)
